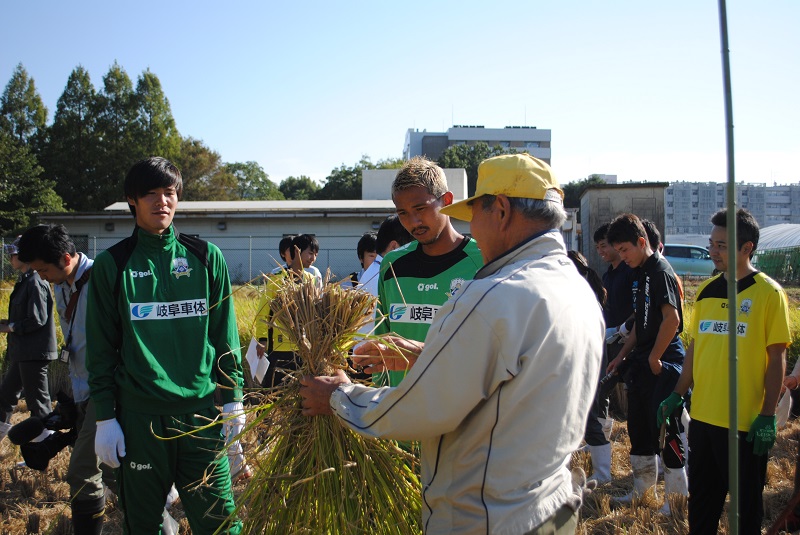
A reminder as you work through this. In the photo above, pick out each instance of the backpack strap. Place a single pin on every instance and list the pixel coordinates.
(121, 252)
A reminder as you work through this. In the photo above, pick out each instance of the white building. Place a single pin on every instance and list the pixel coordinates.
(528, 139)
(690, 205)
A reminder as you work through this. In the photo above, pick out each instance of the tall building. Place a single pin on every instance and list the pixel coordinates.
(528, 139)
(690, 205)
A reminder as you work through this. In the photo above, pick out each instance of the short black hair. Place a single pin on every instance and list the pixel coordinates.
(600, 233)
(303, 242)
(48, 243)
(149, 174)
(391, 230)
(285, 243)
(747, 229)
(626, 228)
(653, 235)
(366, 244)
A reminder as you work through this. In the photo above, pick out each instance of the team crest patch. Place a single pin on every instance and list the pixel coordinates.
(180, 267)
(455, 284)
(745, 307)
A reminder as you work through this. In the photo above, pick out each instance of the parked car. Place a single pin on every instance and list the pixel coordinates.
(689, 259)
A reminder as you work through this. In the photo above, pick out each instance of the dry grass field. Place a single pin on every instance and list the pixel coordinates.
(38, 502)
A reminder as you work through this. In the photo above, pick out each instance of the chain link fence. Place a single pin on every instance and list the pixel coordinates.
(247, 256)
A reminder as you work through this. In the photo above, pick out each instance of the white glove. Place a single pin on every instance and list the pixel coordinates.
(233, 414)
(624, 331)
(109, 442)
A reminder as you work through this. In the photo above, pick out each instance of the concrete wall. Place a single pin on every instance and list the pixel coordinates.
(602, 203)
(250, 244)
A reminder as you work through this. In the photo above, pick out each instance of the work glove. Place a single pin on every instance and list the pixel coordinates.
(762, 434)
(234, 420)
(109, 442)
(624, 331)
(667, 407)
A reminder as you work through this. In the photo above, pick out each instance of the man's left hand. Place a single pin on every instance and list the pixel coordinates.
(762, 434)
(655, 365)
(316, 392)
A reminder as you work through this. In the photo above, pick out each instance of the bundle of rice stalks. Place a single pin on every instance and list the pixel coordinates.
(314, 475)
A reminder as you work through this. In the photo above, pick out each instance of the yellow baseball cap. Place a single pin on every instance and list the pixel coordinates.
(512, 175)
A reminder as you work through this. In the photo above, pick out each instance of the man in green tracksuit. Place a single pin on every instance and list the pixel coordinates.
(161, 337)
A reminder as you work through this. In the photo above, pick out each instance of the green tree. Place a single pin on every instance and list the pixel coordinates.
(345, 182)
(469, 157)
(23, 192)
(22, 112)
(199, 165)
(299, 188)
(574, 190)
(155, 130)
(117, 150)
(71, 155)
(252, 181)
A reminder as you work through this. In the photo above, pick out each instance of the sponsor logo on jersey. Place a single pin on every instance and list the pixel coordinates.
(180, 267)
(140, 274)
(170, 310)
(721, 327)
(139, 467)
(422, 287)
(412, 313)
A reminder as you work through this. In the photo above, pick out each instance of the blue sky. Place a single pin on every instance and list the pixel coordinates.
(627, 87)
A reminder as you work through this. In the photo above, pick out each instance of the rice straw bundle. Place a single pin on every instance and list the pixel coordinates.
(314, 475)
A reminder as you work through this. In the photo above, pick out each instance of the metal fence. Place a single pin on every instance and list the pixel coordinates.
(247, 256)
(783, 265)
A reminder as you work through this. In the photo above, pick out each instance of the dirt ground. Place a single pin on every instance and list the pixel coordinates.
(34, 502)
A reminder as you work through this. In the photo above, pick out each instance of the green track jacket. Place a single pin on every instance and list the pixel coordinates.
(164, 342)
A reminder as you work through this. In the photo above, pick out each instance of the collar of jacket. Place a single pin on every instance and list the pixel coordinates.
(157, 241)
(540, 244)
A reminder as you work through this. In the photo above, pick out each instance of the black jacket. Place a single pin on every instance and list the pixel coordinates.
(30, 309)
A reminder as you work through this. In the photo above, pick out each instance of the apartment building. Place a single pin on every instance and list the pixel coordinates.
(688, 206)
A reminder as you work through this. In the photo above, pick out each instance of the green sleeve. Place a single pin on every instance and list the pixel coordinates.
(223, 332)
(381, 310)
(103, 336)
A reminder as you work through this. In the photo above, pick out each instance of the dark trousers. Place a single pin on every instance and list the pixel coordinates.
(279, 363)
(30, 375)
(594, 435)
(708, 480)
(645, 393)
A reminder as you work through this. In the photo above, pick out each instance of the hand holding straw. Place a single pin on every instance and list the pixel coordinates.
(388, 353)
(316, 392)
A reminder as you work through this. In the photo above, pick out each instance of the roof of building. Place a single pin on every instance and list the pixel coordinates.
(779, 236)
(272, 206)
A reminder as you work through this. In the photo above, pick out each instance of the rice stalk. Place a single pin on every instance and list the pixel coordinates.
(314, 475)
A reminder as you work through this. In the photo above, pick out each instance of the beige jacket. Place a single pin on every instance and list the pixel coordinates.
(499, 396)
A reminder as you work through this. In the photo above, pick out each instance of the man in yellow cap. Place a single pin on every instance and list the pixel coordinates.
(496, 396)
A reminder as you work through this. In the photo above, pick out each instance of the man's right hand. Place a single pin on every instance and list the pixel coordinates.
(109, 442)
(614, 364)
(667, 407)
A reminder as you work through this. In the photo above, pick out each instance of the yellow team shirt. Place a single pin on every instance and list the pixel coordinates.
(276, 339)
(762, 320)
